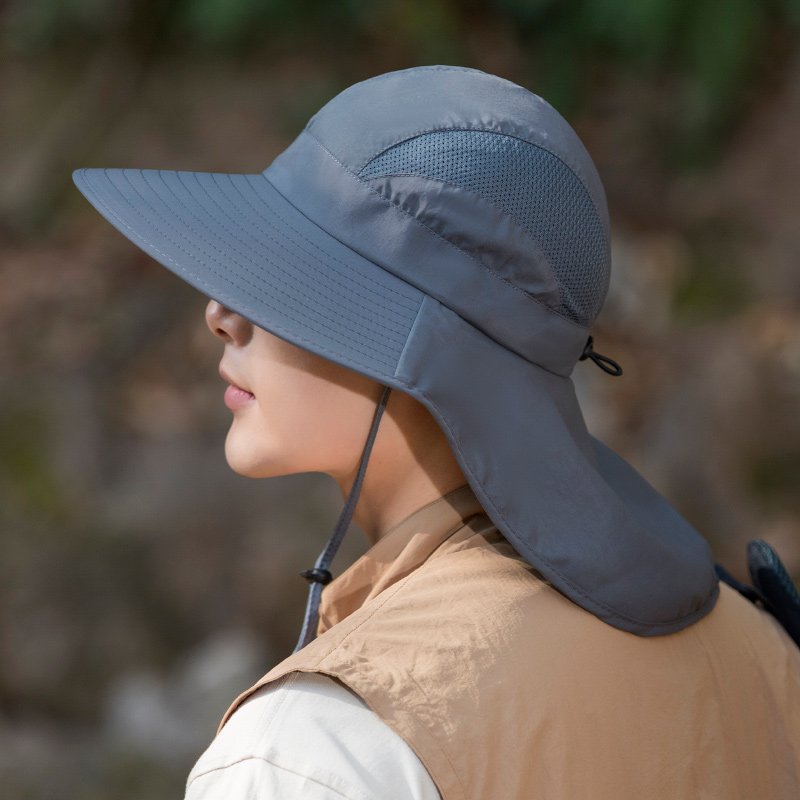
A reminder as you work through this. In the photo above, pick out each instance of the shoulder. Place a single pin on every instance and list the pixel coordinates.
(475, 607)
(308, 735)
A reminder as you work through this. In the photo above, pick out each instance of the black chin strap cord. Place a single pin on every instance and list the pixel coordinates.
(319, 576)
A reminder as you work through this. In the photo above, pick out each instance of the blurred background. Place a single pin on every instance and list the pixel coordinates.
(143, 584)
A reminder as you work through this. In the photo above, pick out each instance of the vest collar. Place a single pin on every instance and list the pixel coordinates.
(402, 549)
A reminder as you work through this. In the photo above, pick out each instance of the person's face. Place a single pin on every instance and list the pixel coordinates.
(303, 414)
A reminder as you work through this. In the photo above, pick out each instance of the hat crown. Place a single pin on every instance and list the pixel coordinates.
(423, 136)
(535, 188)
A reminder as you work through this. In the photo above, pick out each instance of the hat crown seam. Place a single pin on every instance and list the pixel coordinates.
(488, 200)
(485, 129)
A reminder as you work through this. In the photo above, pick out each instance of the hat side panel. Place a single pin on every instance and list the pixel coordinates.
(336, 200)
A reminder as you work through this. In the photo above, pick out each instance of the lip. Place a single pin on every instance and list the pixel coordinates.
(236, 396)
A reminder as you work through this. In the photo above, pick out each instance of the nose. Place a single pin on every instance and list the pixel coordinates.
(231, 327)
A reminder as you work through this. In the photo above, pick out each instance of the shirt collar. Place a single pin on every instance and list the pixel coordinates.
(402, 549)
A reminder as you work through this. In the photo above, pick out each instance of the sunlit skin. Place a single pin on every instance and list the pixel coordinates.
(309, 414)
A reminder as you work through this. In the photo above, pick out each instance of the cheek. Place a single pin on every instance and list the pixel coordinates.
(287, 413)
(314, 419)
(299, 422)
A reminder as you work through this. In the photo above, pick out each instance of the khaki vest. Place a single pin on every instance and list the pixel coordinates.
(506, 689)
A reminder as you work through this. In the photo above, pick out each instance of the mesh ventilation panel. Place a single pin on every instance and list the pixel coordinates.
(534, 187)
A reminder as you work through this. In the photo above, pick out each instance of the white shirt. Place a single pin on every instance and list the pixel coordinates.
(308, 736)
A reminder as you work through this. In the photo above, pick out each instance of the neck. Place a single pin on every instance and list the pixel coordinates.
(411, 464)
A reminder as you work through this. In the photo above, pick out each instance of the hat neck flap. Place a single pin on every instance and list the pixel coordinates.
(574, 509)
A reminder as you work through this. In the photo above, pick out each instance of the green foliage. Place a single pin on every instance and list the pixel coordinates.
(640, 31)
(790, 10)
(561, 64)
(710, 290)
(719, 41)
(431, 27)
(227, 23)
(35, 25)
(24, 463)
(713, 285)
(526, 12)
(132, 777)
(774, 478)
(708, 50)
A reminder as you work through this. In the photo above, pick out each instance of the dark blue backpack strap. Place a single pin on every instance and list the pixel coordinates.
(773, 588)
(753, 594)
(773, 582)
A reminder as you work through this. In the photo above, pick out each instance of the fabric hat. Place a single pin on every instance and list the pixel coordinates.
(444, 232)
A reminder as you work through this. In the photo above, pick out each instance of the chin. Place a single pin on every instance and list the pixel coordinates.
(247, 455)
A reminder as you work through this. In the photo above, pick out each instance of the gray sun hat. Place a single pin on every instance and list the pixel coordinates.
(444, 232)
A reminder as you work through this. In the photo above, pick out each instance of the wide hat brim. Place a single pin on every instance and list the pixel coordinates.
(310, 253)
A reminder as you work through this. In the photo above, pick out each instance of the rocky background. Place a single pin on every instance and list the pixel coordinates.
(143, 584)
